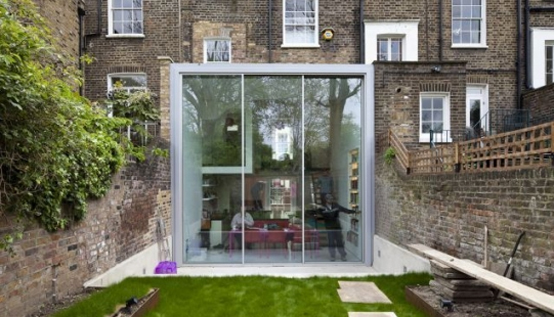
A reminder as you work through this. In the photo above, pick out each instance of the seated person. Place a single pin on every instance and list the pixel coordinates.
(236, 225)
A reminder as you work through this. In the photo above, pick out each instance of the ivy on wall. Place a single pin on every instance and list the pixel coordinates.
(56, 149)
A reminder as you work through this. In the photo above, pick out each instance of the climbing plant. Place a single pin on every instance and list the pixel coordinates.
(56, 150)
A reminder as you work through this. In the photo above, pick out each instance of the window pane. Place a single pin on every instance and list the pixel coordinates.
(117, 15)
(476, 12)
(437, 116)
(475, 37)
(118, 28)
(289, 5)
(127, 15)
(437, 103)
(466, 37)
(426, 115)
(426, 103)
(127, 3)
(127, 27)
(466, 11)
(456, 12)
(117, 3)
(137, 27)
(137, 3)
(425, 127)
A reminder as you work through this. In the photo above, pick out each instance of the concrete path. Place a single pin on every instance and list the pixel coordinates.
(361, 292)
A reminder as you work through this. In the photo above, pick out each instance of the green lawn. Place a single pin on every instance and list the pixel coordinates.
(249, 296)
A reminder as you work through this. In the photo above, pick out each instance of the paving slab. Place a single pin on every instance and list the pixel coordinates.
(361, 292)
(375, 314)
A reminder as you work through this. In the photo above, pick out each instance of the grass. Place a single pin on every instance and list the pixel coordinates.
(249, 296)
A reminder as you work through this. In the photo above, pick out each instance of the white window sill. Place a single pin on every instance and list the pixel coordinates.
(484, 46)
(134, 36)
(313, 45)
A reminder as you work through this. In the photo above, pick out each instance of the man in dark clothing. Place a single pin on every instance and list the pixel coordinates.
(330, 212)
(257, 190)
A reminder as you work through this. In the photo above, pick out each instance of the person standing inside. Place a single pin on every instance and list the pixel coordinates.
(330, 212)
(257, 191)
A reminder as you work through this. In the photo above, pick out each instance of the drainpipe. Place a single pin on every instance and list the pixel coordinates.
(362, 43)
(269, 22)
(81, 13)
(518, 56)
(440, 30)
(99, 12)
(527, 45)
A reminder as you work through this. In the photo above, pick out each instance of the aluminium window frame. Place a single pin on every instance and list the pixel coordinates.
(367, 152)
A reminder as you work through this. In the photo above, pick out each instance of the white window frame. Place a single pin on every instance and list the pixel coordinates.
(129, 89)
(111, 22)
(389, 40)
(310, 44)
(406, 29)
(226, 39)
(446, 137)
(479, 92)
(483, 29)
(539, 39)
(128, 75)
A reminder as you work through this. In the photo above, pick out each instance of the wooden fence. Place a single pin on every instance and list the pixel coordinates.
(525, 148)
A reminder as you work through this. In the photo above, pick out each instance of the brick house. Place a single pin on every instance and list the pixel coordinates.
(449, 67)
(452, 62)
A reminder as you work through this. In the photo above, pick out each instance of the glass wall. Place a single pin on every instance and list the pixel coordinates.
(270, 169)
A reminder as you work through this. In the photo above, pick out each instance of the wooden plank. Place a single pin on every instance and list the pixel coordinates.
(527, 294)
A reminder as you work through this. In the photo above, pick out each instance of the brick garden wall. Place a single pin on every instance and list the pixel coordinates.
(449, 213)
(540, 102)
(116, 227)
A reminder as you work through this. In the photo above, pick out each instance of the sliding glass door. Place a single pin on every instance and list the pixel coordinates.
(268, 168)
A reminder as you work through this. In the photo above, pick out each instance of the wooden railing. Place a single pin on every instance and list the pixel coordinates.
(525, 148)
(401, 152)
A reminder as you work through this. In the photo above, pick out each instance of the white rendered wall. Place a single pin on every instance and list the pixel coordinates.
(389, 258)
(140, 264)
(405, 28)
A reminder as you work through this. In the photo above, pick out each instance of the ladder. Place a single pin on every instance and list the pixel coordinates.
(161, 237)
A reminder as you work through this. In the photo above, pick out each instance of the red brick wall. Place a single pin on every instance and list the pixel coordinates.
(449, 213)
